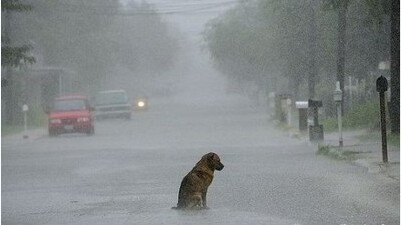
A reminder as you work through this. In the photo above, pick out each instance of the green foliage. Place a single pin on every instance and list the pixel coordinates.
(14, 5)
(336, 153)
(394, 139)
(323, 149)
(364, 115)
(94, 38)
(36, 116)
(11, 129)
(262, 40)
(16, 56)
(273, 41)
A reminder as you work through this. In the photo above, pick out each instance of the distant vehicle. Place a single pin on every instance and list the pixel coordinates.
(141, 104)
(70, 114)
(111, 104)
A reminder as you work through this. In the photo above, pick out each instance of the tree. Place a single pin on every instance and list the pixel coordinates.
(12, 57)
(98, 38)
(301, 43)
(395, 67)
(261, 41)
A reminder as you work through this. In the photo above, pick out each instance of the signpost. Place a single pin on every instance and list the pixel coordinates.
(338, 97)
(381, 87)
(25, 110)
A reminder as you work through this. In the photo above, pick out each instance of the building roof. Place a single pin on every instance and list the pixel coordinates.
(77, 96)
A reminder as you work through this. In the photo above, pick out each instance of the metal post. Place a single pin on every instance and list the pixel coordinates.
(25, 110)
(340, 124)
(289, 111)
(338, 98)
(25, 126)
(381, 87)
(350, 90)
(383, 126)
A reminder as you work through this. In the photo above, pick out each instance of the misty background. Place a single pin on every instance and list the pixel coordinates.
(195, 51)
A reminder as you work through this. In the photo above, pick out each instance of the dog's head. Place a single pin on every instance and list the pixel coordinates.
(213, 161)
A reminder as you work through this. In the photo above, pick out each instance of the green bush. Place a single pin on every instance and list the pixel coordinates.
(364, 115)
(36, 116)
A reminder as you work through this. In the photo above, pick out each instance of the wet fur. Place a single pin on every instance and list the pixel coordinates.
(194, 185)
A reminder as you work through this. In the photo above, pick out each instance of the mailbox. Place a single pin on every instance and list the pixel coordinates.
(315, 130)
(302, 107)
(381, 84)
(314, 103)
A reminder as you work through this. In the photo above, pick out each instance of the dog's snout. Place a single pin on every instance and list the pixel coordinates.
(220, 166)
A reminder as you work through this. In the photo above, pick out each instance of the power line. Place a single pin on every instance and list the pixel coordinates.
(200, 8)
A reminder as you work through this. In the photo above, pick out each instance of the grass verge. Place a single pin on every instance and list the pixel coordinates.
(11, 129)
(364, 115)
(35, 119)
(336, 153)
(392, 139)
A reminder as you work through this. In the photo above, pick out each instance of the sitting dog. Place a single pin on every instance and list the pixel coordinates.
(193, 189)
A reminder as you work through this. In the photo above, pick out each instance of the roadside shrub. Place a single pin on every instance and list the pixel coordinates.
(36, 116)
(364, 115)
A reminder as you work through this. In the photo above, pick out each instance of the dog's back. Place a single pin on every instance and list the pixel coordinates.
(192, 193)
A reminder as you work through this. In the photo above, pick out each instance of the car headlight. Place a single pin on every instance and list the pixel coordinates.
(141, 104)
(82, 119)
(55, 121)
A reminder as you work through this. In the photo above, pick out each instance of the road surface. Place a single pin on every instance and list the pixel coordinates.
(129, 172)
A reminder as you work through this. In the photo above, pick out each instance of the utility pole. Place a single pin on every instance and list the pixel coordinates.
(342, 25)
(312, 50)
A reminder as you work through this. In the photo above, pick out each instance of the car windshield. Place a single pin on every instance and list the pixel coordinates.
(69, 105)
(111, 98)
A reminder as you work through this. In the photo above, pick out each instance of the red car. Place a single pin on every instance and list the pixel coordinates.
(71, 114)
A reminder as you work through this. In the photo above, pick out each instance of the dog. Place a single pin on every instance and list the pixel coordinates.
(193, 189)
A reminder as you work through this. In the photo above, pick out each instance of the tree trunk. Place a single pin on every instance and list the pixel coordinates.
(395, 67)
(342, 24)
(312, 51)
(7, 82)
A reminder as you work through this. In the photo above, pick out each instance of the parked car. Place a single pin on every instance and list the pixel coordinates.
(70, 114)
(112, 103)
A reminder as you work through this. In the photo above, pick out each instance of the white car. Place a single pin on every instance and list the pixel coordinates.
(112, 104)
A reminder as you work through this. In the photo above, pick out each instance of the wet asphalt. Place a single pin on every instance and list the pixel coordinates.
(129, 172)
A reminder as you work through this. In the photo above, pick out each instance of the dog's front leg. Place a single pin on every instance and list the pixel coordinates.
(204, 205)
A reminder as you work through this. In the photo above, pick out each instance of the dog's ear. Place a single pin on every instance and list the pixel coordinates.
(214, 157)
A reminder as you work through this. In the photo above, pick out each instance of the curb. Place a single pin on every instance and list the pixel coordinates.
(30, 135)
(379, 167)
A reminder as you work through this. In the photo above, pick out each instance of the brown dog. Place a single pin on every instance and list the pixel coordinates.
(193, 189)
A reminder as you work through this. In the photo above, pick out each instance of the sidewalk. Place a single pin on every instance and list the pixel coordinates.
(32, 134)
(367, 153)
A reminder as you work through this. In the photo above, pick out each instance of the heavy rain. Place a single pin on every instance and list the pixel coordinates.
(111, 111)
